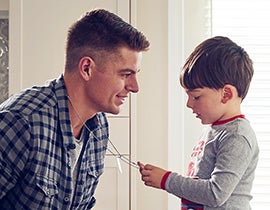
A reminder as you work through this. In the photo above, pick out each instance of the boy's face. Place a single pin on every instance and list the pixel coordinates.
(207, 104)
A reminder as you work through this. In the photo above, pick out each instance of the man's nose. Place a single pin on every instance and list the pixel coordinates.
(132, 85)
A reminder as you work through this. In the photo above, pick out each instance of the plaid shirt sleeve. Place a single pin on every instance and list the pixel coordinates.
(14, 149)
(35, 139)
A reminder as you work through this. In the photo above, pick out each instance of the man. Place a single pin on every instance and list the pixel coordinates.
(53, 138)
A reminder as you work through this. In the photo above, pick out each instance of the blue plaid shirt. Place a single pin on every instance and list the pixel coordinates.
(35, 143)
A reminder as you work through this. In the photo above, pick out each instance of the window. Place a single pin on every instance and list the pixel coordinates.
(3, 55)
(247, 23)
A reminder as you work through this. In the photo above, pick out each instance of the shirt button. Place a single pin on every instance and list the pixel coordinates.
(71, 146)
(48, 192)
(66, 199)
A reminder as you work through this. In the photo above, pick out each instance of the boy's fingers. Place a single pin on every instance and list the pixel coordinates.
(141, 166)
(148, 167)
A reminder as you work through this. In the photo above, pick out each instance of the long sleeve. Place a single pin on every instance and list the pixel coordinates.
(14, 150)
(225, 172)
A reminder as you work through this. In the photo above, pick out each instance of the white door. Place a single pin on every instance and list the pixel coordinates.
(38, 34)
(37, 48)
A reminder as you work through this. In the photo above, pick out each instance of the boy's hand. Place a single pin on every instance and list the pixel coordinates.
(151, 175)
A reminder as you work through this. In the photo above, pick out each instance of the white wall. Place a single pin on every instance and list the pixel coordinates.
(152, 119)
(4, 4)
(166, 129)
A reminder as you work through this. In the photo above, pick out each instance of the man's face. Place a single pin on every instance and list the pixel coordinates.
(111, 83)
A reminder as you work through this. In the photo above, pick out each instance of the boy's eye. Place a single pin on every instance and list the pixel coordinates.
(196, 97)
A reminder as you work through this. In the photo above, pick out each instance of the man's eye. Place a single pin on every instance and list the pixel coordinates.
(196, 97)
(125, 75)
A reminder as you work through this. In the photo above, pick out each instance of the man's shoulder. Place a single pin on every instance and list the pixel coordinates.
(35, 98)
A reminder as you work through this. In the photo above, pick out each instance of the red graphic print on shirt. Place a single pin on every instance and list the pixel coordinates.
(197, 152)
(192, 167)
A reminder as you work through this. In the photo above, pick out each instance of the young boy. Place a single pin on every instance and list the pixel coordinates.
(216, 78)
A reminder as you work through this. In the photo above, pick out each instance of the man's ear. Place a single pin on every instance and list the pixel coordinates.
(85, 67)
(228, 91)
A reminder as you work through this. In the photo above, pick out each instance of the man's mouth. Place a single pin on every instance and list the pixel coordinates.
(122, 98)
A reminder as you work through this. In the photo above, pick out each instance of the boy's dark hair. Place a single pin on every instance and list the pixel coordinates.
(216, 62)
(98, 33)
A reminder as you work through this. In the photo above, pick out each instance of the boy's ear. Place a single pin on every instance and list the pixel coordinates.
(227, 93)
